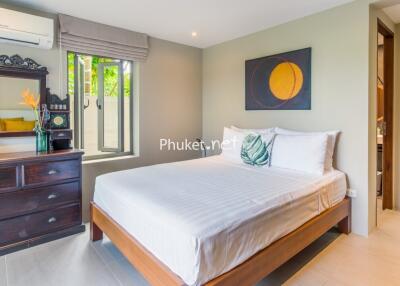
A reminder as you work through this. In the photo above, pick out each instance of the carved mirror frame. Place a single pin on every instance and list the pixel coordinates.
(17, 67)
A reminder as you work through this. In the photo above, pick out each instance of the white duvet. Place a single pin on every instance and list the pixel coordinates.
(203, 217)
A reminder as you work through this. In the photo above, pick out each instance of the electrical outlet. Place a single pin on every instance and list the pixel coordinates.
(351, 193)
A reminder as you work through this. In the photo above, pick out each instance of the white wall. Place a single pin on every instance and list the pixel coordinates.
(339, 40)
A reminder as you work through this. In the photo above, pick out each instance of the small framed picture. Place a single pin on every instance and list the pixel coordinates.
(58, 121)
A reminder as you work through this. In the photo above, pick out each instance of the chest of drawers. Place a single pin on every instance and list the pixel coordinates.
(40, 197)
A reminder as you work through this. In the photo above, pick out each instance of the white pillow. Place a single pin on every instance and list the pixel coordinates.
(304, 153)
(332, 135)
(232, 144)
(258, 131)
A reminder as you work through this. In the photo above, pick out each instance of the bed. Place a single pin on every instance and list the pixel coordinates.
(212, 221)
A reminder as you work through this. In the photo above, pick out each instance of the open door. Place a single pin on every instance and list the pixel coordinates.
(110, 107)
(387, 123)
(102, 90)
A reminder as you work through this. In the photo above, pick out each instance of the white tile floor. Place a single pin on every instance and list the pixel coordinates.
(332, 260)
(3, 271)
(354, 260)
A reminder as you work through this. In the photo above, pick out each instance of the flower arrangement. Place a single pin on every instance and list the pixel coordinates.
(41, 116)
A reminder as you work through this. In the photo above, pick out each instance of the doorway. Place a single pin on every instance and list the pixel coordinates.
(385, 98)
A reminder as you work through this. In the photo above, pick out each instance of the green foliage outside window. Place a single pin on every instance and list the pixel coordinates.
(71, 75)
(110, 76)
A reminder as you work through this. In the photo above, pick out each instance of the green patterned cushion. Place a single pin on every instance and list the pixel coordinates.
(256, 151)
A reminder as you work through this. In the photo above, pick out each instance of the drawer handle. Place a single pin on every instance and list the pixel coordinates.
(52, 196)
(52, 220)
(61, 135)
(52, 172)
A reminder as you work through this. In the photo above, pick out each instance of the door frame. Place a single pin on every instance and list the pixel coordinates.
(388, 94)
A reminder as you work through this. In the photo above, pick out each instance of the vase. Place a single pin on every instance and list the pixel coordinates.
(41, 141)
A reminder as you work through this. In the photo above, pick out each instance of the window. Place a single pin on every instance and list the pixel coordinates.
(101, 95)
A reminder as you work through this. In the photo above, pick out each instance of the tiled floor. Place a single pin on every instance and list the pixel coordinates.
(332, 260)
(3, 271)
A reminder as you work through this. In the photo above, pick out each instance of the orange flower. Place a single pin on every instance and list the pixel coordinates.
(29, 99)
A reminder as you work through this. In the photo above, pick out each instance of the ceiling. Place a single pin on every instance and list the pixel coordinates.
(393, 12)
(214, 21)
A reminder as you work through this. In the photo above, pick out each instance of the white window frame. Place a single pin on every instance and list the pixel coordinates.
(79, 136)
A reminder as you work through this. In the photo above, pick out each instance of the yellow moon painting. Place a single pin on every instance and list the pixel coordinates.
(286, 80)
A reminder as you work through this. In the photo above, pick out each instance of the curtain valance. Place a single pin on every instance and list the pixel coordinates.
(87, 37)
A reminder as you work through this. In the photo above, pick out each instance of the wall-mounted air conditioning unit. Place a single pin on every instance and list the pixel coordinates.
(26, 29)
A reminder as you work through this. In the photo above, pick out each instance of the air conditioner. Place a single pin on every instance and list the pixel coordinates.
(26, 29)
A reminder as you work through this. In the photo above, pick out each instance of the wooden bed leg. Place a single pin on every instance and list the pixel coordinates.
(95, 232)
(345, 225)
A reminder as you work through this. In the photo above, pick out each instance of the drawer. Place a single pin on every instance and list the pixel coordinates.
(28, 226)
(60, 134)
(8, 178)
(38, 199)
(47, 172)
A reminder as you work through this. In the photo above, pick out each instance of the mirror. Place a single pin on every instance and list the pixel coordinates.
(15, 116)
(16, 76)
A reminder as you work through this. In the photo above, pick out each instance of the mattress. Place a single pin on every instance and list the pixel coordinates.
(203, 217)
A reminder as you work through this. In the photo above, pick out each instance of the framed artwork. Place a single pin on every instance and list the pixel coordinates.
(59, 120)
(279, 82)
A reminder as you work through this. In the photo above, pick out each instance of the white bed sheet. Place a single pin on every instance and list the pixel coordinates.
(203, 217)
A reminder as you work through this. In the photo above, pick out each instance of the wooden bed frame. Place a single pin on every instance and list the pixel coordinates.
(246, 274)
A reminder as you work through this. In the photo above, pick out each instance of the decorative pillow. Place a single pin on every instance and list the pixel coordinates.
(232, 144)
(19, 125)
(256, 151)
(332, 135)
(3, 125)
(258, 131)
(304, 153)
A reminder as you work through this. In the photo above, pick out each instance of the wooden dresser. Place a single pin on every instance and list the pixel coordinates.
(40, 197)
